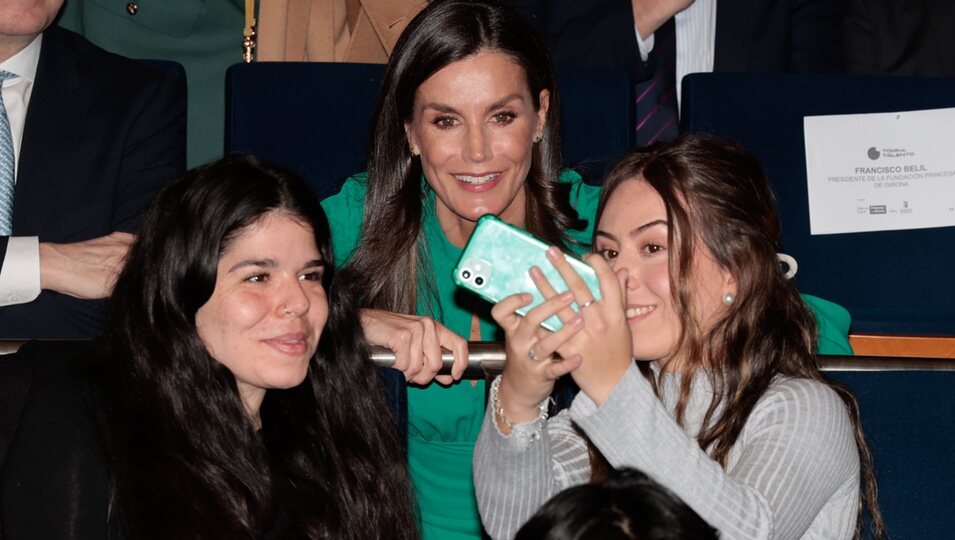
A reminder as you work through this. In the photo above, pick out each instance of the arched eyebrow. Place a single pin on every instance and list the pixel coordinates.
(633, 232)
(313, 263)
(258, 263)
(270, 263)
(444, 108)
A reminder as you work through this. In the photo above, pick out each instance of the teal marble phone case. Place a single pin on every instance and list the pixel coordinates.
(496, 261)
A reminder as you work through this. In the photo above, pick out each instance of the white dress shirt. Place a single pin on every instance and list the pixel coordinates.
(695, 29)
(20, 274)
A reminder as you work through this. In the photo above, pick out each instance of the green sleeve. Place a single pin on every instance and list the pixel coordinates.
(833, 321)
(345, 211)
(584, 199)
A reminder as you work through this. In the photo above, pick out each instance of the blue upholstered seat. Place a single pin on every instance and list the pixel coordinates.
(313, 118)
(893, 282)
(909, 419)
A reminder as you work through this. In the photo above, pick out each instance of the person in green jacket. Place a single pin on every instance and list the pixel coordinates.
(466, 124)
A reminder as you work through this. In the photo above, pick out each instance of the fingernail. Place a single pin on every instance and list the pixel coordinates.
(567, 296)
(553, 253)
(578, 321)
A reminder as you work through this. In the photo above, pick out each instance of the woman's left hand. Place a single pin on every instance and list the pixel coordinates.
(530, 370)
(604, 343)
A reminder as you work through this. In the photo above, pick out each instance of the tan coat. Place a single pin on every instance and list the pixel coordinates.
(332, 30)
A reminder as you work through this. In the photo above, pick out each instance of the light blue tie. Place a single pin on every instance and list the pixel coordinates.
(7, 168)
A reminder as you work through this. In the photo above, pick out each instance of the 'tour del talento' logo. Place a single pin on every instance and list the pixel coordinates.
(873, 153)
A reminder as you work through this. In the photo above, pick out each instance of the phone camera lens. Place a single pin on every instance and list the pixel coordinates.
(479, 281)
(466, 274)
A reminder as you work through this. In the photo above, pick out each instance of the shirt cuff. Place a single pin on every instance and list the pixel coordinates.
(523, 434)
(20, 275)
(644, 45)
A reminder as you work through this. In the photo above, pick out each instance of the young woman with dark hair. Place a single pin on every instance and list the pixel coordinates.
(466, 124)
(725, 404)
(237, 399)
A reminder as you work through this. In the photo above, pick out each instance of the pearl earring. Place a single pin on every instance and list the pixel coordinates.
(728, 298)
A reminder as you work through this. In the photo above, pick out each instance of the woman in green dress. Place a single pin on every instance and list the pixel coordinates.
(466, 125)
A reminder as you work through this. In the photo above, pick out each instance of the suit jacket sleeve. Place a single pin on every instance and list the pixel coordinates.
(817, 35)
(594, 34)
(3, 249)
(155, 151)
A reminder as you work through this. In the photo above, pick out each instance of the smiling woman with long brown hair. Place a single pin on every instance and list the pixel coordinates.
(466, 124)
(697, 366)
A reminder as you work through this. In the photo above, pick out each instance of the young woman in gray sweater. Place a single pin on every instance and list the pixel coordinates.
(696, 365)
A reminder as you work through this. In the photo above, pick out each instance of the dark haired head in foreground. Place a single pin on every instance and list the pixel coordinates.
(628, 505)
(250, 412)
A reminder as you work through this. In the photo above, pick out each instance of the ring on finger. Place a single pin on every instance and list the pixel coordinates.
(587, 304)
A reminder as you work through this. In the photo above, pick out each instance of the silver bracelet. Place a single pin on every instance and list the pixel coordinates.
(528, 437)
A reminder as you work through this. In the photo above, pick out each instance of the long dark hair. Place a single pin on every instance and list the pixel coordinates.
(627, 505)
(716, 192)
(389, 261)
(328, 454)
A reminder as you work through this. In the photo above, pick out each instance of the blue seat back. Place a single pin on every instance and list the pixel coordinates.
(893, 282)
(597, 118)
(315, 118)
(909, 420)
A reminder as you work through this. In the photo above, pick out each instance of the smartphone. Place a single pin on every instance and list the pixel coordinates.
(497, 259)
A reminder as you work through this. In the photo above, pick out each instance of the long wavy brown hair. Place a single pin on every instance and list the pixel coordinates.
(716, 192)
(391, 262)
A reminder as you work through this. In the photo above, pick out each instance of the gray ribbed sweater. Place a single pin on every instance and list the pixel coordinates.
(793, 472)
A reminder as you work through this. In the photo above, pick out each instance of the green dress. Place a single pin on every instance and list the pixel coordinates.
(444, 422)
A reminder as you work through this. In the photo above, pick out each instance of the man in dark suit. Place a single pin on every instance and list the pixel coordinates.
(93, 137)
(96, 136)
(900, 37)
(752, 36)
(646, 38)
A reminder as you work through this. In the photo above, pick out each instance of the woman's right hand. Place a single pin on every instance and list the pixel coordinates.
(604, 343)
(530, 370)
(417, 343)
